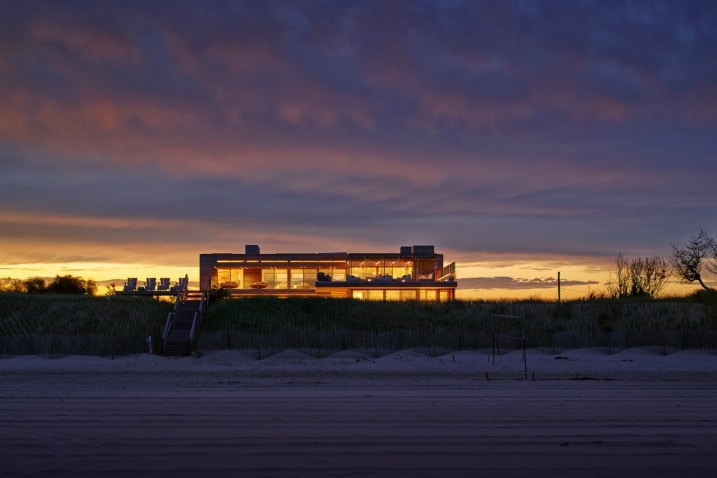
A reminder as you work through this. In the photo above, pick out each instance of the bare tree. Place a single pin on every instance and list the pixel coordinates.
(689, 259)
(619, 284)
(649, 276)
(639, 277)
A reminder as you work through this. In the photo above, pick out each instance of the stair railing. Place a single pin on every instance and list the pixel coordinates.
(196, 322)
(181, 297)
(199, 314)
(168, 325)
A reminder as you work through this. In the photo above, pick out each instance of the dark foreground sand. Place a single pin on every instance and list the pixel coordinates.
(350, 416)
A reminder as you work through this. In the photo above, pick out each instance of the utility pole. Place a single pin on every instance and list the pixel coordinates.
(558, 288)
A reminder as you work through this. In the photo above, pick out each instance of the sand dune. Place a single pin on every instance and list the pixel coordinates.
(632, 364)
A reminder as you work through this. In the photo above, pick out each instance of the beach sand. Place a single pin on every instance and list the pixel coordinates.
(579, 413)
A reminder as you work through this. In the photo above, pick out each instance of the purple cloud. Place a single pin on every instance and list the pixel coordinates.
(495, 126)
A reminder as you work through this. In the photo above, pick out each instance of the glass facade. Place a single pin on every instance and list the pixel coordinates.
(382, 269)
(275, 278)
(408, 275)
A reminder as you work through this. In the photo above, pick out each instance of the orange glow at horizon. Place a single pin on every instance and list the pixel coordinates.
(105, 273)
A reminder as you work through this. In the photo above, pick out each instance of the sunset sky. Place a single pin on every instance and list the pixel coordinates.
(521, 138)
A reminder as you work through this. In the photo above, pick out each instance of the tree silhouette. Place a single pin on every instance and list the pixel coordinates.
(68, 285)
(639, 277)
(689, 259)
(9, 284)
(35, 285)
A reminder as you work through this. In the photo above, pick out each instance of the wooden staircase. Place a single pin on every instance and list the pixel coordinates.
(185, 320)
(178, 343)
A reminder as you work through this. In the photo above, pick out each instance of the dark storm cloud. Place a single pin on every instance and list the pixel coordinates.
(474, 63)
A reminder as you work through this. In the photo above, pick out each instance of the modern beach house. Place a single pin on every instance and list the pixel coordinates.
(412, 273)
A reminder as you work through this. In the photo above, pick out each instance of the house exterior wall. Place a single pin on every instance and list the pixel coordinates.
(413, 273)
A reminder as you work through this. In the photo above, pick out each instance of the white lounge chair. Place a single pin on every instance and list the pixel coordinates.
(150, 284)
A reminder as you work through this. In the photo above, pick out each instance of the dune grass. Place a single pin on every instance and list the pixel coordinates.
(63, 324)
(319, 325)
(80, 314)
(267, 314)
(316, 324)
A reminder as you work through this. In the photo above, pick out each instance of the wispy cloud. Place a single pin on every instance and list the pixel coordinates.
(513, 283)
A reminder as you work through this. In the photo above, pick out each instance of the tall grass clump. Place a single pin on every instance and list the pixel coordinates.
(63, 324)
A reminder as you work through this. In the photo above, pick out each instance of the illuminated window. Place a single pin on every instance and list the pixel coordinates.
(297, 279)
(400, 269)
(276, 278)
(310, 277)
(228, 278)
(365, 272)
(427, 294)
